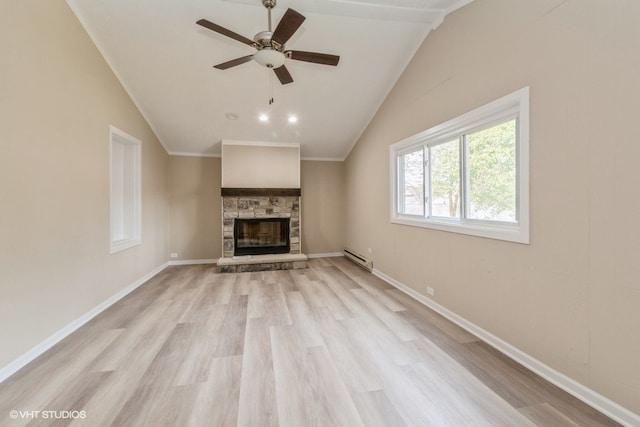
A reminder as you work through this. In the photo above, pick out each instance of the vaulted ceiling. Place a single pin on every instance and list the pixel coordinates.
(165, 62)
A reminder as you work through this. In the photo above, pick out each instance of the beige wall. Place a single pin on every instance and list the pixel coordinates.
(322, 206)
(571, 298)
(195, 207)
(260, 165)
(57, 100)
(195, 210)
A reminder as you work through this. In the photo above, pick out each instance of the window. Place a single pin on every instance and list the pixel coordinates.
(125, 190)
(468, 175)
(444, 180)
(411, 178)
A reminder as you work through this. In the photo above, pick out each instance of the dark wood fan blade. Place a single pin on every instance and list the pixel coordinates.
(233, 62)
(288, 25)
(221, 30)
(316, 58)
(283, 75)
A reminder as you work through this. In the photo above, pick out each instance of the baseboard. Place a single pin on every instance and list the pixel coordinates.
(58, 336)
(193, 261)
(215, 260)
(325, 255)
(585, 394)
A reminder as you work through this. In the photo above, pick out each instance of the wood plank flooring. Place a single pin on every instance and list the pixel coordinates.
(327, 346)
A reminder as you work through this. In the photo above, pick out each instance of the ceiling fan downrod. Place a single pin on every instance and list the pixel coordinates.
(269, 4)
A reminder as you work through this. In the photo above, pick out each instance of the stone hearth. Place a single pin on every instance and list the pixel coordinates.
(262, 263)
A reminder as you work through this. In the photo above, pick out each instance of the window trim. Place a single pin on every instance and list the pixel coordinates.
(515, 104)
(397, 199)
(117, 136)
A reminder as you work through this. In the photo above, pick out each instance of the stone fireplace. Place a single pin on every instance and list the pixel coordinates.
(255, 204)
(261, 229)
(261, 207)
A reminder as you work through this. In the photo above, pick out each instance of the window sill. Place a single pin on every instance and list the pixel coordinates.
(515, 233)
(121, 245)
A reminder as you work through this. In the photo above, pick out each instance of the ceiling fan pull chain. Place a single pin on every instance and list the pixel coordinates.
(271, 100)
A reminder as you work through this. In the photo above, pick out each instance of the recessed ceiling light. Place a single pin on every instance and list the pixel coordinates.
(231, 116)
(293, 119)
(263, 118)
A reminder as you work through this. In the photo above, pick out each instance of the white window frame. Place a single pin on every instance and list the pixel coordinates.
(513, 105)
(125, 204)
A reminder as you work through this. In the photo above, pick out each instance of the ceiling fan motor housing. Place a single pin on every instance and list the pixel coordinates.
(263, 39)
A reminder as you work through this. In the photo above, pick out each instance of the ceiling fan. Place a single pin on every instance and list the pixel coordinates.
(270, 47)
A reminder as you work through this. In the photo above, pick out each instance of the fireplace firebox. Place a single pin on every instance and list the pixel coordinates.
(256, 236)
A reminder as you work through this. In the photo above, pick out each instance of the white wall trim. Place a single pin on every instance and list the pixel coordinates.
(81, 18)
(186, 154)
(322, 159)
(194, 261)
(215, 260)
(58, 336)
(219, 155)
(456, 6)
(585, 394)
(325, 255)
(260, 143)
(393, 80)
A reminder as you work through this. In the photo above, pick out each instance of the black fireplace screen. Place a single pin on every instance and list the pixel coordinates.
(257, 236)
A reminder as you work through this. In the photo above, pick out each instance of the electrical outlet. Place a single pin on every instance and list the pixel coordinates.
(173, 255)
(430, 291)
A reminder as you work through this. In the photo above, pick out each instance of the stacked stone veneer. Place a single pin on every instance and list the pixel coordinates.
(260, 207)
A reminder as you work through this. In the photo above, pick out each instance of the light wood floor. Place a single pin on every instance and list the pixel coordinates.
(327, 346)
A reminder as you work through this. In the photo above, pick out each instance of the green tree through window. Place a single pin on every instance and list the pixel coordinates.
(445, 179)
(492, 173)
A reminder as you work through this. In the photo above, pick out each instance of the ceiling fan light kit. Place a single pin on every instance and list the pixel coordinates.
(270, 45)
(269, 58)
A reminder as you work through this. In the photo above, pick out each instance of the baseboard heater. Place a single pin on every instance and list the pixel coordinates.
(359, 260)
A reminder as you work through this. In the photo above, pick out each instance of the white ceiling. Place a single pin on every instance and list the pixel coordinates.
(165, 62)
